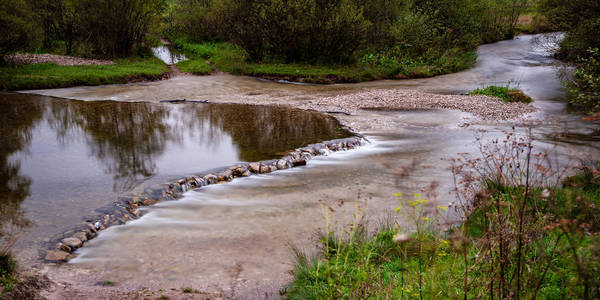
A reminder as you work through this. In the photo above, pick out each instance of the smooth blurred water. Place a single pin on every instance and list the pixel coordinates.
(60, 160)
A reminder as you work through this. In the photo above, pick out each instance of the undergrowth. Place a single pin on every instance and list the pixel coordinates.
(232, 59)
(524, 233)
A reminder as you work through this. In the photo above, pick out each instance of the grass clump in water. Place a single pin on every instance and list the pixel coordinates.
(46, 76)
(503, 92)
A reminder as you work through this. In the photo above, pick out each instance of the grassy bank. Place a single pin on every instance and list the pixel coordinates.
(229, 58)
(516, 241)
(44, 76)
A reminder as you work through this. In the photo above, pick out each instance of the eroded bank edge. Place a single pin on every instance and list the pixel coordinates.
(61, 248)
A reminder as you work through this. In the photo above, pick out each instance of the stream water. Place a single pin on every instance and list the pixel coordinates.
(62, 159)
(234, 238)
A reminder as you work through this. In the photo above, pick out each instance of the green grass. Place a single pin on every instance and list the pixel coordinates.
(195, 66)
(505, 93)
(43, 76)
(229, 58)
(431, 266)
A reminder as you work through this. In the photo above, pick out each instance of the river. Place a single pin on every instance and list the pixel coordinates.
(234, 238)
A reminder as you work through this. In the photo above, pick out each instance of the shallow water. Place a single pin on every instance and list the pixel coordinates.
(62, 159)
(168, 54)
(233, 237)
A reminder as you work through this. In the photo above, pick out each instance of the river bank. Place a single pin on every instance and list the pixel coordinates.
(57, 72)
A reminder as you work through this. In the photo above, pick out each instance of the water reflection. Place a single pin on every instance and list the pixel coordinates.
(16, 123)
(125, 137)
(60, 160)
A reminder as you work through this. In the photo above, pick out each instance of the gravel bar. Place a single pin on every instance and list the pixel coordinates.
(489, 108)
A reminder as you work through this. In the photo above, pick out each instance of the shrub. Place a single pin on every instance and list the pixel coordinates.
(113, 28)
(201, 20)
(584, 89)
(296, 30)
(580, 19)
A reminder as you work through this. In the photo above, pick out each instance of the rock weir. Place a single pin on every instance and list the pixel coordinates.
(127, 208)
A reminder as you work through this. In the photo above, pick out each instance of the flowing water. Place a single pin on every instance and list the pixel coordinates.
(167, 54)
(62, 160)
(234, 237)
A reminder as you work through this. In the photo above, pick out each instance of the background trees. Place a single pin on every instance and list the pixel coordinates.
(17, 28)
(343, 30)
(102, 28)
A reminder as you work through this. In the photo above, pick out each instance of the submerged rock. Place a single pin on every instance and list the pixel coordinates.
(254, 167)
(72, 242)
(57, 256)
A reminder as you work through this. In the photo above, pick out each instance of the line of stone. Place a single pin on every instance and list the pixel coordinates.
(127, 208)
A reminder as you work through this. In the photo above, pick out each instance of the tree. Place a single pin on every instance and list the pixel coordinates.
(580, 19)
(17, 28)
(114, 27)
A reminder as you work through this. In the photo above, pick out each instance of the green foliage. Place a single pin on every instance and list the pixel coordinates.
(580, 19)
(232, 59)
(503, 92)
(113, 28)
(296, 30)
(199, 20)
(383, 267)
(8, 266)
(523, 234)
(43, 76)
(8, 269)
(17, 27)
(342, 40)
(584, 89)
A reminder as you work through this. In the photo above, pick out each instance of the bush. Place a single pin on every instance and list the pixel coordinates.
(580, 19)
(201, 20)
(584, 89)
(113, 28)
(296, 30)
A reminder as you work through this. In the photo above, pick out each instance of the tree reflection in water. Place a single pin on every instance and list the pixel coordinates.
(125, 137)
(18, 116)
(128, 139)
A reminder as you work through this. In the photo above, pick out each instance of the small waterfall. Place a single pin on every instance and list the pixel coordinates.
(168, 55)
